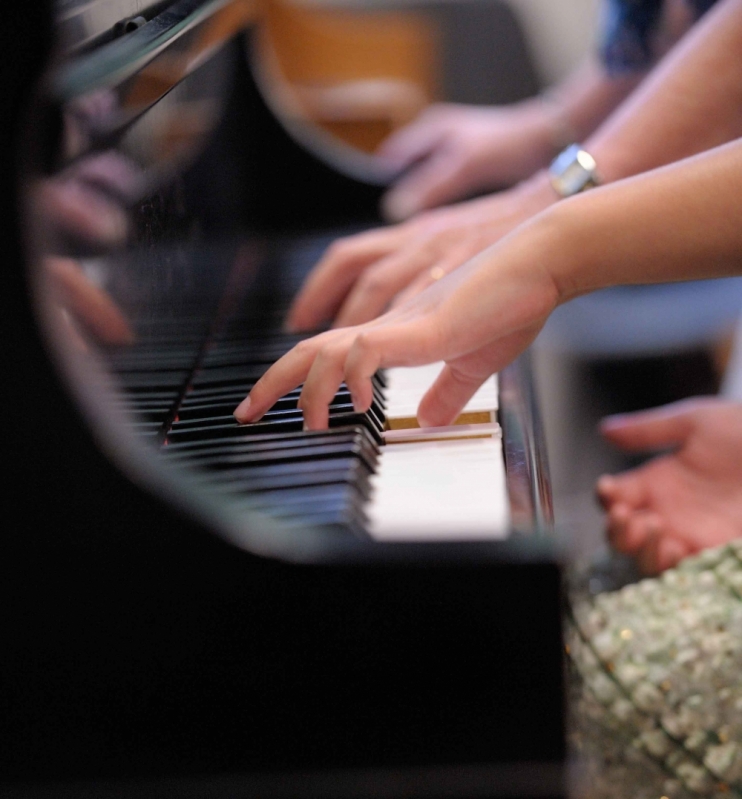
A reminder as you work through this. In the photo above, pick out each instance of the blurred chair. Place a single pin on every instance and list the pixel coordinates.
(359, 75)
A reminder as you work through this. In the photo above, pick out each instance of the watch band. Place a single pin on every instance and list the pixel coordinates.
(573, 170)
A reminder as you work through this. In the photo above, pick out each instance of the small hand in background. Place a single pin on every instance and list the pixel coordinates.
(682, 502)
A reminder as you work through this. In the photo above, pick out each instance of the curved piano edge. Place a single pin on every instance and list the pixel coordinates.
(526, 462)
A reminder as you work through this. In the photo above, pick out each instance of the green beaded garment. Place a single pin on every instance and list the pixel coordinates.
(656, 683)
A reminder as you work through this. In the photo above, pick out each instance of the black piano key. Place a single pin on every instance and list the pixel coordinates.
(191, 411)
(185, 431)
(298, 477)
(153, 361)
(234, 394)
(214, 415)
(355, 441)
(348, 471)
(336, 507)
(341, 524)
(154, 382)
(256, 459)
(332, 500)
(243, 379)
(277, 439)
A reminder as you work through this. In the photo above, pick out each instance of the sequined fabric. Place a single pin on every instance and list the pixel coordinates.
(656, 683)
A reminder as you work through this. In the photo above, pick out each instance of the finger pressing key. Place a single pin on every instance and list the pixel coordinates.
(285, 374)
(322, 383)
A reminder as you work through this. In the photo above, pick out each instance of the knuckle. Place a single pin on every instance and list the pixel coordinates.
(363, 341)
(374, 282)
(304, 348)
(463, 379)
(339, 249)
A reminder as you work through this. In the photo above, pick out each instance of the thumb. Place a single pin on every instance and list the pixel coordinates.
(653, 429)
(446, 398)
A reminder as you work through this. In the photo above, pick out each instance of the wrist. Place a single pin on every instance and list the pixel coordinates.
(543, 130)
(558, 233)
(536, 194)
(560, 129)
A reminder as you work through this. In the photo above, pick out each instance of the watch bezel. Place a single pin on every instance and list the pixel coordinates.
(573, 171)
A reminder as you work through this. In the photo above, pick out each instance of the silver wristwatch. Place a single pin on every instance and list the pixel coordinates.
(573, 171)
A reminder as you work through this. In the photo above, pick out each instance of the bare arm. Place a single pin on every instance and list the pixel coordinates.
(676, 223)
(453, 151)
(690, 102)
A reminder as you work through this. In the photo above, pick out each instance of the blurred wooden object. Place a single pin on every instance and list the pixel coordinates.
(357, 74)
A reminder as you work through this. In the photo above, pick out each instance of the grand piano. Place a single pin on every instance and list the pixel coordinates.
(190, 607)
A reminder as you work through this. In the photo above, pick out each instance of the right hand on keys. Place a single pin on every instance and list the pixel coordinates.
(477, 319)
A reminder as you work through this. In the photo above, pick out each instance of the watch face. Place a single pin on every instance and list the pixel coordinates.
(572, 170)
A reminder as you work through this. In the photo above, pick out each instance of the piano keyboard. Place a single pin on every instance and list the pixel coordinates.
(439, 483)
(371, 474)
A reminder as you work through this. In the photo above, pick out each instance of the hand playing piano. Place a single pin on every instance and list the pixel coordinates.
(360, 276)
(477, 319)
(681, 502)
(453, 151)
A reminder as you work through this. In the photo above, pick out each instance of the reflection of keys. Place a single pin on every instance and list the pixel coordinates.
(439, 483)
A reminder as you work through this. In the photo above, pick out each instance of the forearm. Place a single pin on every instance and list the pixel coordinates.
(692, 101)
(588, 96)
(680, 222)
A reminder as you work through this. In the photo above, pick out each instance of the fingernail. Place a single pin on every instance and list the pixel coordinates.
(606, 483)
(423, 422)
(242, 410)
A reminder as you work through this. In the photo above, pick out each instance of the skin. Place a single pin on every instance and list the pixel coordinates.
(454, 151)
(88, 309)
(685, 500)
(85, 206)
(692, 101)
(684, 225)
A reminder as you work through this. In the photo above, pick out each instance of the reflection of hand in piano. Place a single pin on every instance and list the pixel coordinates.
(87, 311)
(477, 320)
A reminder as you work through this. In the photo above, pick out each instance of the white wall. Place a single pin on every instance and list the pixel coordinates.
(561, 33)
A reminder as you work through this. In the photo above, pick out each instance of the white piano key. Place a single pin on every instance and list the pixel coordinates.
(406, 387)
(440, 483)
(440, 490)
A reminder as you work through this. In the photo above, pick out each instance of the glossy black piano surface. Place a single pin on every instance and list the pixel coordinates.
(192, 608)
